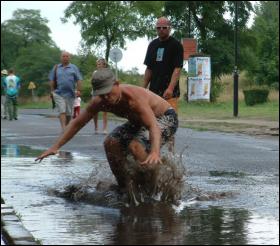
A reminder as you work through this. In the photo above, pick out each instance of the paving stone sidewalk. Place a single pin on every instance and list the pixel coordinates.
(12, 230)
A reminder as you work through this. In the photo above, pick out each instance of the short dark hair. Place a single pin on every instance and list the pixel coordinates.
(11, 70)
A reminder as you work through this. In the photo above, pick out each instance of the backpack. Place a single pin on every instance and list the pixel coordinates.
(12, 85)
(55, 77)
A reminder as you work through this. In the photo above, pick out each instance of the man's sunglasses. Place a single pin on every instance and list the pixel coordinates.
(162, 27)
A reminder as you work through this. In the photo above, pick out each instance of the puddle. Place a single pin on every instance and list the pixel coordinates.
(14, 150)
(226, 174)
(226, 218)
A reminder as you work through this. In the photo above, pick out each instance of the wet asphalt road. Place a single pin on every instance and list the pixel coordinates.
(245, 165)
(214, 161)
(207, 151)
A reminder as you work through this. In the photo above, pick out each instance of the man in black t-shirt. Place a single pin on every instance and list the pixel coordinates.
(164, 61)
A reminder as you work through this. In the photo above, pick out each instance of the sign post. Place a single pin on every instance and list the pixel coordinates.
(235, 71)
(116, 55)
(31, 87)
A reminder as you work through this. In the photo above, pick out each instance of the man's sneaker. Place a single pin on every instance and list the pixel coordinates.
(5, 117)
(15, 118)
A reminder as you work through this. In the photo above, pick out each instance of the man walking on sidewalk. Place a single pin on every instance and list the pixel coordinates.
(65, 78)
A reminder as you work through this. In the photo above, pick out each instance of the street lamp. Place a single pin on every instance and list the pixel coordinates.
(235, 71)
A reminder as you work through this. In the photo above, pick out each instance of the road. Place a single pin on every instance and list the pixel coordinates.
(206, 150)
(246, 166)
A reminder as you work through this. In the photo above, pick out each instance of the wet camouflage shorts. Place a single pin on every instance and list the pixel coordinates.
(168, 124)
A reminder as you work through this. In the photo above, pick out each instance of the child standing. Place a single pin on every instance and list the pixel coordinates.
(77, 105)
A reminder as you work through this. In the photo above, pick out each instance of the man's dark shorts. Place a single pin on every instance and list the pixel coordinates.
(168, 124)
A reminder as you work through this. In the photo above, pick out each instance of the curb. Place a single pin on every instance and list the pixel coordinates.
(12, 230)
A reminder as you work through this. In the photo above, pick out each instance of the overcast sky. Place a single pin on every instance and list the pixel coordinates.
(67, 36)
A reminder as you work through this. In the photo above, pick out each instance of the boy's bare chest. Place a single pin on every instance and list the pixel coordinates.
(125, 111)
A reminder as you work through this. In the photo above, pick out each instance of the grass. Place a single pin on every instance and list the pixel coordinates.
(224, 110)
(37, 105)
(205, 110)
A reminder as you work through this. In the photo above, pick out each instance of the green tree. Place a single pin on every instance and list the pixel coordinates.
(107, 23)
(209, 25)
(131, 77)
(85, 60)
(29, 24)
(149, 12)
(26, 28)
(265, 69)
(35, 62)
(10, 46)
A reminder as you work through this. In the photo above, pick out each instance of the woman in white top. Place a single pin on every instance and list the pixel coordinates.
(100, 63)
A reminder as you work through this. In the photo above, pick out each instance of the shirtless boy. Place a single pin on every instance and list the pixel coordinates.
(151, 123)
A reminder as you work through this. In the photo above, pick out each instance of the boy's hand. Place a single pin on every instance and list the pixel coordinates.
(50, 151)
(168, 94)
(152, 158)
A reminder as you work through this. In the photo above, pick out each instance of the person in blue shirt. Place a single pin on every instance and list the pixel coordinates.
(65, 79)
(11, 87)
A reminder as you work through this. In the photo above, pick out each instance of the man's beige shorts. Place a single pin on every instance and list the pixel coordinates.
(63, 104)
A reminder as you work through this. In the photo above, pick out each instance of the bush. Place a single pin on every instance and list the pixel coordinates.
(130, 77)
(216, 89)
(255, 95)
(43, 89)
(275, 86)
(86, 93)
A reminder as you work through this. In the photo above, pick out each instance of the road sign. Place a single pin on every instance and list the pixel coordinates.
(115, 54)
(31, 85)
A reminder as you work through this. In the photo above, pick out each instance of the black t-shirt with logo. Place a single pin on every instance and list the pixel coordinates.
(162, 57)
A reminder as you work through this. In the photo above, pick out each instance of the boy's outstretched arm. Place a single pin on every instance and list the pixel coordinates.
(70, 131)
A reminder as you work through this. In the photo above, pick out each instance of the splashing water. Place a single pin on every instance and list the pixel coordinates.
(159, 183)
(163, 182)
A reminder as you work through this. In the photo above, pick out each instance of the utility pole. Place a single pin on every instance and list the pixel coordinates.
(189, 20)
(235, 71)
